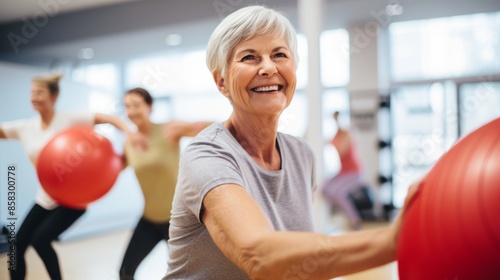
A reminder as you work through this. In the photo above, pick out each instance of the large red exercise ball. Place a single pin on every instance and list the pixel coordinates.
(78, 166)
(452, 228)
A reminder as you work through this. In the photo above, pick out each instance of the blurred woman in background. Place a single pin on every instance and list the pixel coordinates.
(156, 170)
(47, 220)
(350, 177)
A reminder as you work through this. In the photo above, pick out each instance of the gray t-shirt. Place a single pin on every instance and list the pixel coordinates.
(214, 158)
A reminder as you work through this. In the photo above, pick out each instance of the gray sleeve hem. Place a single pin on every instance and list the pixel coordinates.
(211, 186)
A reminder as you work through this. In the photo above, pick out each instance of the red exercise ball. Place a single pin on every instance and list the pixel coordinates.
(78, 166)
(452, 228)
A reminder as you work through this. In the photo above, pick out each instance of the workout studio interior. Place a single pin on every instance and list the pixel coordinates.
(250, 139)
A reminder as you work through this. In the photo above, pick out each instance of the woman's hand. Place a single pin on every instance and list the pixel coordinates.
(2, 134)
(412, 194)
(138, 140)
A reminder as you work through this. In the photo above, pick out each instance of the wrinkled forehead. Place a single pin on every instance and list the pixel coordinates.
(272, 32)
(272, 41)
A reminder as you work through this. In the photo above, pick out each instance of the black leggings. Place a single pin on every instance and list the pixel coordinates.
(39, 229)
(145, 237)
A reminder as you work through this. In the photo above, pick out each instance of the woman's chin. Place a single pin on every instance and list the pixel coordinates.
(273, 107)
(140, 123)
(37, 108)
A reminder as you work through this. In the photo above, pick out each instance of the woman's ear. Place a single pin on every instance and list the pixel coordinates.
(220, 82)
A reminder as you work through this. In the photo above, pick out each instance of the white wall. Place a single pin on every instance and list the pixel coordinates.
(120, 208)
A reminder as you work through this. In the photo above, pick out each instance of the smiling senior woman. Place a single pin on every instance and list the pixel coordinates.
(243, 203)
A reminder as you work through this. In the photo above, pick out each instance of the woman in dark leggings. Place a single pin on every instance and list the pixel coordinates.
(40, 227)
(46, 220)
(156, 170)
(145, 237)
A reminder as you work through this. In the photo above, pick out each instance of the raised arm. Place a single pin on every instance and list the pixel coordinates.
(173, 131)
(137, 139)
(247, 238)
(115, 121)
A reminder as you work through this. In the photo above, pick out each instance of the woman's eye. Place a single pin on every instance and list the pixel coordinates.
(248, 57)
(280, 55)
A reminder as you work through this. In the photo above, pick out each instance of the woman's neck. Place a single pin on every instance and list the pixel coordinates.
(47, 117)
(257, 136)
(146, 127)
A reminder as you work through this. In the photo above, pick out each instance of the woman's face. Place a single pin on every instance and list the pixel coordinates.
(137, 109)
(41, 99)
(261, 76)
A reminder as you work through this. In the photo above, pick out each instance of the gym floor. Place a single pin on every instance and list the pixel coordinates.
(99, 258)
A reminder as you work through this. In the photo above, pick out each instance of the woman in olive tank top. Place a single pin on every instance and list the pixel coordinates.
(156, 168)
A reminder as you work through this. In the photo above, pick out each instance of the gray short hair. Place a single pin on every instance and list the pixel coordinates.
(245, 24)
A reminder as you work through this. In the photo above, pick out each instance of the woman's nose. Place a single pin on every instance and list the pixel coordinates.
(268, 67)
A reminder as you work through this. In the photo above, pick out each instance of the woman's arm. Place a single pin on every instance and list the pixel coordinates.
(2, 133)
(247, 238)
(137, 139)
(115, 121)
(173, 131)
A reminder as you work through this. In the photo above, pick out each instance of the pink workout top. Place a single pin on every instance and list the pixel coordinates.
(349, 161)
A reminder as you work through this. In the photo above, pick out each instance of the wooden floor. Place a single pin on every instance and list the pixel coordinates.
(99, 258)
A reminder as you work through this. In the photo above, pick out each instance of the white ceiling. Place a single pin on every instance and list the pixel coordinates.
(142, 30)
(14, 10)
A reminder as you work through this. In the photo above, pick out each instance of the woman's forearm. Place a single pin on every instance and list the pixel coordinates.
(299, 255)
(114, 121)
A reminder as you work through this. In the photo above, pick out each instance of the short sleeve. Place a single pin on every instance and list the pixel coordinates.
(204, 166)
